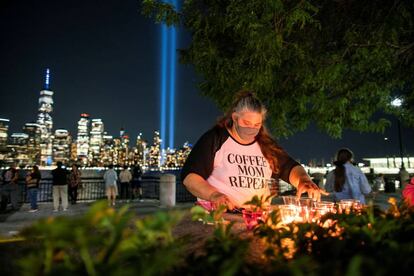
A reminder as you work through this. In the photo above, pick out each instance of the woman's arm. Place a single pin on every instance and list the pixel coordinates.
(200, 188)
(303, 183)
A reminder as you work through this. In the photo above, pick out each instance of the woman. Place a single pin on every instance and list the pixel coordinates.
(32, 184)
(232, 162)
(74, 183)
(347, 181)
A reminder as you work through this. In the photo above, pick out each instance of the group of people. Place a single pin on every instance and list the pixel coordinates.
(130, 184)
(65, 185)
(62, 182)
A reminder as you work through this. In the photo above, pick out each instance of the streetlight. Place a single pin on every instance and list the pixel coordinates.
(397, 102)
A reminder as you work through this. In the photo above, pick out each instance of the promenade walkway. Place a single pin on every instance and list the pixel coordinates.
(11, 222)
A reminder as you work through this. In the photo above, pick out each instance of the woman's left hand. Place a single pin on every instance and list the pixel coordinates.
(311, 188)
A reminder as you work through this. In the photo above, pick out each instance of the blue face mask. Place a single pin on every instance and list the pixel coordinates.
(246, 133)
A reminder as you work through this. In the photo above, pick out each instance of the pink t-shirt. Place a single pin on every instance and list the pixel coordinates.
(239, 171)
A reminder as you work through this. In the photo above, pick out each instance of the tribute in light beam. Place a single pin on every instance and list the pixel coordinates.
(164, 40)
(168, 62)
(172, 87)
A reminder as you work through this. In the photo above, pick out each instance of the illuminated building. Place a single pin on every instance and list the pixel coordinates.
(4, 130)
(61, 146)
(140, 152)
(175, 159)
(117, 149)
(170, 161)
(107, 153)
(4, 134)
(17, 148)
(123, 153)
(182, 154)
(73, 153)
(96, 142)
(154, 158)
(33, 131)
(44, 119)
(82, 146)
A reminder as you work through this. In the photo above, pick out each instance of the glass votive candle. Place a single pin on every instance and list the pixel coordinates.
(346, 205)
(318, 212)
(289, 213)
(290, 200)
(251, 218)
(326, 204)
(306, 202)
(305, 214)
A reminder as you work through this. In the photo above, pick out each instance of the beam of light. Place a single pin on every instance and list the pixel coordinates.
(47, 79)
(168, 76)
(172, 85)
(163, 119)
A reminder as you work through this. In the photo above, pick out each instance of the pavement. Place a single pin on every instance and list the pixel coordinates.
(11, 222)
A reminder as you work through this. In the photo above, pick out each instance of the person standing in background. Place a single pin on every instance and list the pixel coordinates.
(136, 182)
(32, 184)
(125, 178)
(347, 181)
(74, 184)
(60, 187)
(10, 187)
(111, 178)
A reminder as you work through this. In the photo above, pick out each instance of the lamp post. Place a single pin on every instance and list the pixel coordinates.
(404, 176)
(397, 102)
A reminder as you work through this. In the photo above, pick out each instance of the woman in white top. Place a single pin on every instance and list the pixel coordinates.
(232, 161)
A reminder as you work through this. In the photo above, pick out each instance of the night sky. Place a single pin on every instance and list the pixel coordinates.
(104, 58)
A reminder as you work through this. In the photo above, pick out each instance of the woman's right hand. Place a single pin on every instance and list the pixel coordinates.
(218, 199)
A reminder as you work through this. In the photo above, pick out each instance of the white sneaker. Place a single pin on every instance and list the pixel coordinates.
(33, 210)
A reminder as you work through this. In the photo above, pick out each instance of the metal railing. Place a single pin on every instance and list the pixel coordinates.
(94, 189)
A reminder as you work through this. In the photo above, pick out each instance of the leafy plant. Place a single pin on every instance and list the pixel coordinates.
(104, 241)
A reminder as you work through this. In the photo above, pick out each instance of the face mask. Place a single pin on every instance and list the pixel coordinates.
(246, 133)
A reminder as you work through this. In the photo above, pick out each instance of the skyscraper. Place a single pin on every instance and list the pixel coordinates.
(140, 151)
(33, 132)
(96, 142)
(44, 119)
(107, 157)
(62, 146)
(154, 162)
(82, 146)
(18, 148)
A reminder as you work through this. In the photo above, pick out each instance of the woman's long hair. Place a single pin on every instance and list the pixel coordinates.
(343, 156)
(247, 101)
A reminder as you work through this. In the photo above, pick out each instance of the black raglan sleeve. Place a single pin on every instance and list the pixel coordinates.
(285, 165)
(201, 158)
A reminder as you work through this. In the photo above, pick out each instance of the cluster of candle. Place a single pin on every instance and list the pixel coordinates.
(307, 210)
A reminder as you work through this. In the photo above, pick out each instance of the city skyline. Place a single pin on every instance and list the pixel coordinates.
(105, 59)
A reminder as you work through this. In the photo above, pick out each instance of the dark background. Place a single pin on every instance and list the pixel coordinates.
(104, 58)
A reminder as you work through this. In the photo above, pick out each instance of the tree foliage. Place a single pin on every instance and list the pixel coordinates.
(336, 63)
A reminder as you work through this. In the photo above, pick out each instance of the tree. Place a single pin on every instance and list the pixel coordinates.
(337, 63)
